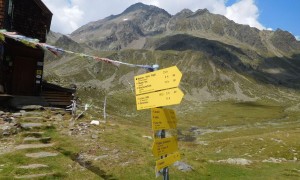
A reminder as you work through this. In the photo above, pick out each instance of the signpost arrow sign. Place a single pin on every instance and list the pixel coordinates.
(165, 162)
(158, 80)
(163, 119)
(164, 146)
(159, 98)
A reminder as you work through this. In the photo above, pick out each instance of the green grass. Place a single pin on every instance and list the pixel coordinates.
(268, 131)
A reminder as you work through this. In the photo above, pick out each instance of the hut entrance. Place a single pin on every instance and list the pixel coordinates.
(23, 76)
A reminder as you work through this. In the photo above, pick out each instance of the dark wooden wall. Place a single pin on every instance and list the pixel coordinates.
(29, 17)
(2, 12)
(30, 20)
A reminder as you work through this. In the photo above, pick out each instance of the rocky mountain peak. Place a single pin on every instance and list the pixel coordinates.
(184, 13)
(135, 7)
(200, 12)
(285, 41)
(144, 7)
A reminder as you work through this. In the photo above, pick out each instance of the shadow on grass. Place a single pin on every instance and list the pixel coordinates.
(86, 164)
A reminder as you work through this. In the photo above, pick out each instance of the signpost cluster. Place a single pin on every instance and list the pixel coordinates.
(154, 90)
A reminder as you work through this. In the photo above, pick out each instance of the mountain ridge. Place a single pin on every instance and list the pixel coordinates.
(110, 33)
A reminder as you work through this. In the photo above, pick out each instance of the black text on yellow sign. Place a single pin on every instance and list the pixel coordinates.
(167, 161)
(164, 146)
(160, 98)
(163, 119)
(158, 80)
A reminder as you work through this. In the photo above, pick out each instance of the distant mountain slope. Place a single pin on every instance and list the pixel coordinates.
(140, 22)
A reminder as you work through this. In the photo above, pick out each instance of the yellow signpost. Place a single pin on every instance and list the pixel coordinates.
(165, 162)
(163, 119)
(159, 98)
(158, 80)
(157, 89)
(164, 146)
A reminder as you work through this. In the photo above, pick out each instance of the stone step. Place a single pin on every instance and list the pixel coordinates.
(33, 119)
(31, 125)
(33, 166)
(33, 146)
(41, 154)
(43, 139)
(32, 113)
(33, 134)
(31, 176)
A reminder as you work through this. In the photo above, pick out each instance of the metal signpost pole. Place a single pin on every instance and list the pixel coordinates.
(162, 134)
(165, 170)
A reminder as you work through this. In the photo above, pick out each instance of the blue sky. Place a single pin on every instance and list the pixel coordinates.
(68, 15)
(283, 14)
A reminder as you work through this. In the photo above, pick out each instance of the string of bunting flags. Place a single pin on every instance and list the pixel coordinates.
(59, 51)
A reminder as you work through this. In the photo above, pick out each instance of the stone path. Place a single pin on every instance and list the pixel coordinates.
(35, 140)
(32, 153)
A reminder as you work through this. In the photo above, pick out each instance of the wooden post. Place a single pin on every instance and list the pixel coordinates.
(104, 109)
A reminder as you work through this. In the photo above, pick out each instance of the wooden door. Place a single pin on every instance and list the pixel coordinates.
(23, 76)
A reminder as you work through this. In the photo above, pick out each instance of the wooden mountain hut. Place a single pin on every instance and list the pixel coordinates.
(21, 65)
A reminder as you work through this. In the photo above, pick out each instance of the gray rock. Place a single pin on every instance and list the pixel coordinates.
(183, 166)
(33, 118)
(2, 113)
(101, 157)
(32, 176)
(6, 133)
(31, 125)
(17, 114)
(44, 139)
(41, 154)
(33, 146)
(33, 114)
(33, 166)
(95, 136)
(6, 130)
(8, 119)
(31, 139)
(30, 107)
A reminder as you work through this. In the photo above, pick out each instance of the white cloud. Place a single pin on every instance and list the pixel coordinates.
(298, 38)
(244, 12)
(68, 15)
